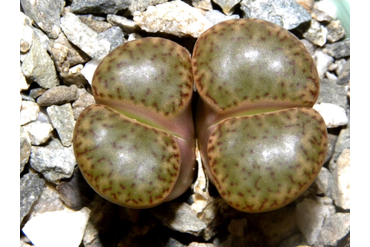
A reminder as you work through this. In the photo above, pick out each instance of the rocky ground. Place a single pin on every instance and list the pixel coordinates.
(61, 44)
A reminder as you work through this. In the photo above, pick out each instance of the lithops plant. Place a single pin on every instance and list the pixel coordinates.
(135, 147)
(261, 142)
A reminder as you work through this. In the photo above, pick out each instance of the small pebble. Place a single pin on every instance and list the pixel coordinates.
(63, 121)
(216, 16)
(311, 215)
(31, 187)
(99, 6)
(342, 180)
(335, 31)
(58, 95)
(334, 229)
(25, 148)
(39, 132)
(29, 112)
(338, 50)
(59, 228)
(323, 61)
(333, 115)
(176, 18)
(54, 163)
(316, 33)
(127, 25)
(227, 6)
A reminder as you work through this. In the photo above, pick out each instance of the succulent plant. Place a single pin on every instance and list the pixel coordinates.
(135, 147)
(261, 142)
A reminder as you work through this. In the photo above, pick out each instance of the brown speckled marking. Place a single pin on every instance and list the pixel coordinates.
(149, 73)
(155, 163)
(276, 168)
(263, 69)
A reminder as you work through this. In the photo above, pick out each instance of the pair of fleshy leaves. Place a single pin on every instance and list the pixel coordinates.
(261, 142)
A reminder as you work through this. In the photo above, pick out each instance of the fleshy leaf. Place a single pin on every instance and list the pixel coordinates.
(136, 147)
(125, 161)
(149, 79)
(247, 64)
(261, 144)
(263, 162)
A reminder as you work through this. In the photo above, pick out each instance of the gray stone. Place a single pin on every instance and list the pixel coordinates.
(316, 33)
(95, 24)
(84, 100)
(48, 201)
(342, 178)
(29, 112)
(179, 217)
(39, 132)
(310, 216)
(62, 120)
(58, 95)
(286, 13)
(176, 18)
(335, 228)
(343, 143)
(343, 71)
(339, 49)
(114, 36)
(38, 66)
(45, 13)
(26, 36)
(324, 182)
(323, 61)
(65, 55)
(31, 187)
(99, 6)
(127, 25)
(227, 6)
(330, 92)
(54, 163)
(216, 16)
(84, 37)
(142, 5)
(25, 148)
(75, 193)
(309, 46)
(335, 31)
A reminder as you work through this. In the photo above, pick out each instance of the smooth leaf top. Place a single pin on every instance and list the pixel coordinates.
(249, 64)
(125, 161)
(149, 79)
(262, 162)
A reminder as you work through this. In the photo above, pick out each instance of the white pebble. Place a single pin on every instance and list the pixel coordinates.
(89, 69)
(333, 115)
(57, 229)
(29, 111)
(39, 132)
(176, 17)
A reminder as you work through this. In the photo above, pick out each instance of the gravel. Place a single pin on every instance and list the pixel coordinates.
(62, 42)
